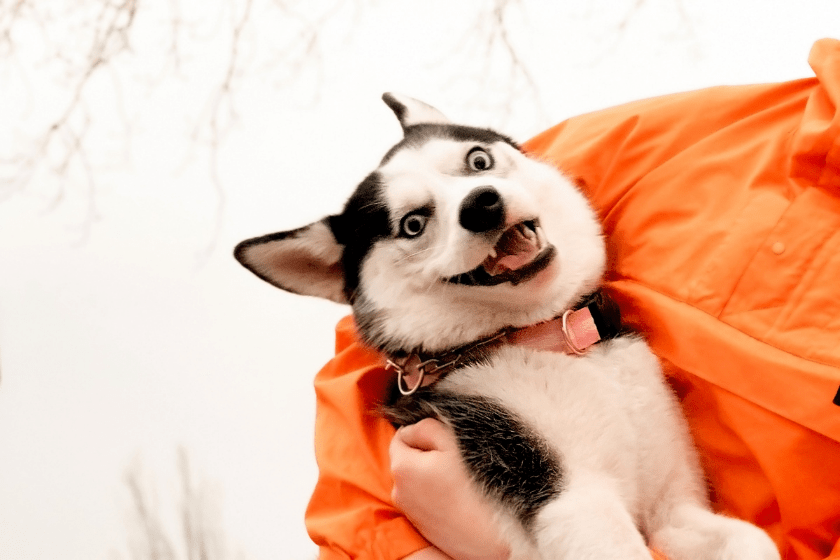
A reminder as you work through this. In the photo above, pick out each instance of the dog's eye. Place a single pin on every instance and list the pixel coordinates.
(413, 224)
(479, 160)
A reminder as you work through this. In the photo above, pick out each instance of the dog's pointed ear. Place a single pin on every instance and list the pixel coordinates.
(304, 261)
(409, 111)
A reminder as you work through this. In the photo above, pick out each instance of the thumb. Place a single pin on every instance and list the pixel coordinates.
(428, 434)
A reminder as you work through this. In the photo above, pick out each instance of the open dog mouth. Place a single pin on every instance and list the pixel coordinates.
(520, 253)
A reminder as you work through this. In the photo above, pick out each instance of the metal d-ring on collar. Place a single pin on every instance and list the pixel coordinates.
(401, 373)
(433, 366)
(401, 385)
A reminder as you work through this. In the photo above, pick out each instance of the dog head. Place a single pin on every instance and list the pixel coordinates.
(456, 235)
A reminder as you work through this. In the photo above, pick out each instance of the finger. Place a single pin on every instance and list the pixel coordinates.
(400, 453)
(428, 434)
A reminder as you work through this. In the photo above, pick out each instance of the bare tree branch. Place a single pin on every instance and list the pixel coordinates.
(491, 56)
(151, 542)
(62, 144)
(198, 514)
(492, 65)
(106, 26)
(619, 31)
(223, 113)
(8, 17)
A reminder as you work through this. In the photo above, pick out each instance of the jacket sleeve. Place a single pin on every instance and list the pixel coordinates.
(350, 514)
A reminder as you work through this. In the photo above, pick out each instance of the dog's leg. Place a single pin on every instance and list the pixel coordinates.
(692, 532)
(588, 521)
(675, 516)
(683, 527)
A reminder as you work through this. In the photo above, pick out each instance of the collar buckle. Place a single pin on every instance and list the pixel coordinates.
(568, 338)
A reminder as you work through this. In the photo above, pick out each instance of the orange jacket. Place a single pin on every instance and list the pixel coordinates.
(721, 209)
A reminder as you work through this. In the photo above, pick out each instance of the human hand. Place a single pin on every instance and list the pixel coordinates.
(433, 489)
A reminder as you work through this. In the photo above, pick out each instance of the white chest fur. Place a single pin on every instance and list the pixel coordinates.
(608, 414)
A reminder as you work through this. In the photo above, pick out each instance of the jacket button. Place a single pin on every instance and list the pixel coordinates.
(778, 247)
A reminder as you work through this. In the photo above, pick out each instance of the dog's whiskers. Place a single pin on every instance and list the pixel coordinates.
(414, 254)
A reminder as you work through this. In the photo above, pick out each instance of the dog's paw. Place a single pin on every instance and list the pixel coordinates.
(744, 541)
(703, 535)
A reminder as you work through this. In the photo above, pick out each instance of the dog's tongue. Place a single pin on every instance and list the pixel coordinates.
(517, 247)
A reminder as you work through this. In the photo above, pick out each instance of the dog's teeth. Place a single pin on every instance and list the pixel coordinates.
(493, 253)
(527, 233)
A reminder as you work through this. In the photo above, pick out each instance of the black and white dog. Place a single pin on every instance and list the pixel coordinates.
(461, 258)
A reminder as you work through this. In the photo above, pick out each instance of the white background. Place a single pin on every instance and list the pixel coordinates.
(127, 335)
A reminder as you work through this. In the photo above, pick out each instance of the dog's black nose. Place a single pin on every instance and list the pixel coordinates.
(482, 210)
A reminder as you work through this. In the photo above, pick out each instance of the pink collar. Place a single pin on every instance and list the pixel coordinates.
(571, 333)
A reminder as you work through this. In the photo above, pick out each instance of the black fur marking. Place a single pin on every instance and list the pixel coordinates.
(370, 324)
(837, 398)
(398, 108)
(364, 220)
(419, 134)
(506, 457)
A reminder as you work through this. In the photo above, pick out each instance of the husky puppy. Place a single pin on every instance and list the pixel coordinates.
(450, 253)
